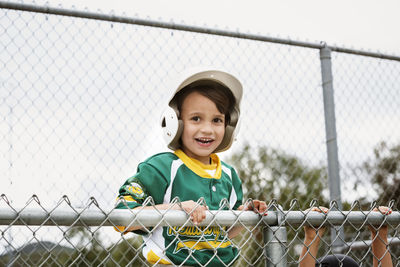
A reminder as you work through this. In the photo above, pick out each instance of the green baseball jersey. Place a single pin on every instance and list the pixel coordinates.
(165, 176)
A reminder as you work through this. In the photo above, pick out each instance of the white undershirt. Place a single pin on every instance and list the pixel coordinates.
(211, 172)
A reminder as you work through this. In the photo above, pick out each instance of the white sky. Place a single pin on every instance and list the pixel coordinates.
(361, 24)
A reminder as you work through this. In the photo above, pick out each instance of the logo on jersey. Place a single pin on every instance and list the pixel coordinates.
(199, 238)
(135, 190)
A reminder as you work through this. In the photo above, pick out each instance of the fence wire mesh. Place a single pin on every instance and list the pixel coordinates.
(81, 100)
(76, 239)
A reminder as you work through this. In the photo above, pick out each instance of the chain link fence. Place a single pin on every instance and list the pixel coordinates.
(273, 239)
(82, 93)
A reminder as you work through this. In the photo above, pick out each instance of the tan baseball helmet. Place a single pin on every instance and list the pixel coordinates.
(171, 124)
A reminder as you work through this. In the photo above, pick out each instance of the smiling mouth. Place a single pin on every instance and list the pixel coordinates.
(204, 140)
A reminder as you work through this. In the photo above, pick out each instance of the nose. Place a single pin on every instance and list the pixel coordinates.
(207, 128)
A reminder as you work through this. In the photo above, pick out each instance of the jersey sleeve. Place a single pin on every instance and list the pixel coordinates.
(147, 181)
(237, 185)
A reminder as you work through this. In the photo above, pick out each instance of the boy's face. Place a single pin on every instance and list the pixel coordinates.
(203, 127)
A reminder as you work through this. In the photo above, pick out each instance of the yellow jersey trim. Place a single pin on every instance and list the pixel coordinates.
(196, 245)
(199, 168)
(153, 258)
(129, 198)
(120, 228)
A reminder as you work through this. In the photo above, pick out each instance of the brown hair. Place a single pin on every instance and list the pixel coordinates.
(217, 93)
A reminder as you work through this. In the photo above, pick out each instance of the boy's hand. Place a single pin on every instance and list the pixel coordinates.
(257, 206)
(196, 211)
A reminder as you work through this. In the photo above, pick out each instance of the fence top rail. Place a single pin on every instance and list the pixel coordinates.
(182, 27)
(151, 218)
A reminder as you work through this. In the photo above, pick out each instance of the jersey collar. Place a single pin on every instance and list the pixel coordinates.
(198, 167)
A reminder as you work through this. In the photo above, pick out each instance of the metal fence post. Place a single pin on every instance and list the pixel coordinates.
(275, 239)
(331, 137)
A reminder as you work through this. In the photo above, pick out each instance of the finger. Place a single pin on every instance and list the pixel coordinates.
(260, 207)
(263, 207)
(384, 210)
(195, 218)
(203, 217)
(256, 205)
(199, 215)
(188, 206)
(312, 209)
(319, 209)
(323, 209)
(250, 205)
(247, 206)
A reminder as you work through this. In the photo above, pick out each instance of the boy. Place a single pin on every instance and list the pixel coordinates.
(201, 120)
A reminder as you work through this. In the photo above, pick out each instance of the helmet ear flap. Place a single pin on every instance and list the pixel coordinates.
(237, 129)
(231, 131)
(172, 128)
(229, 138)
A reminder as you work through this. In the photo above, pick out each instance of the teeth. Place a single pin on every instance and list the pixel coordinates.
(204, 140)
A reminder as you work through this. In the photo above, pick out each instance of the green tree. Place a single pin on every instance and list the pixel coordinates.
(127, 252)
(268, 173)
(383, 170)
(89, 250)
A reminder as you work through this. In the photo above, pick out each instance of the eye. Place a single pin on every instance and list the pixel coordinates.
(195, 118)
(218, 120)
